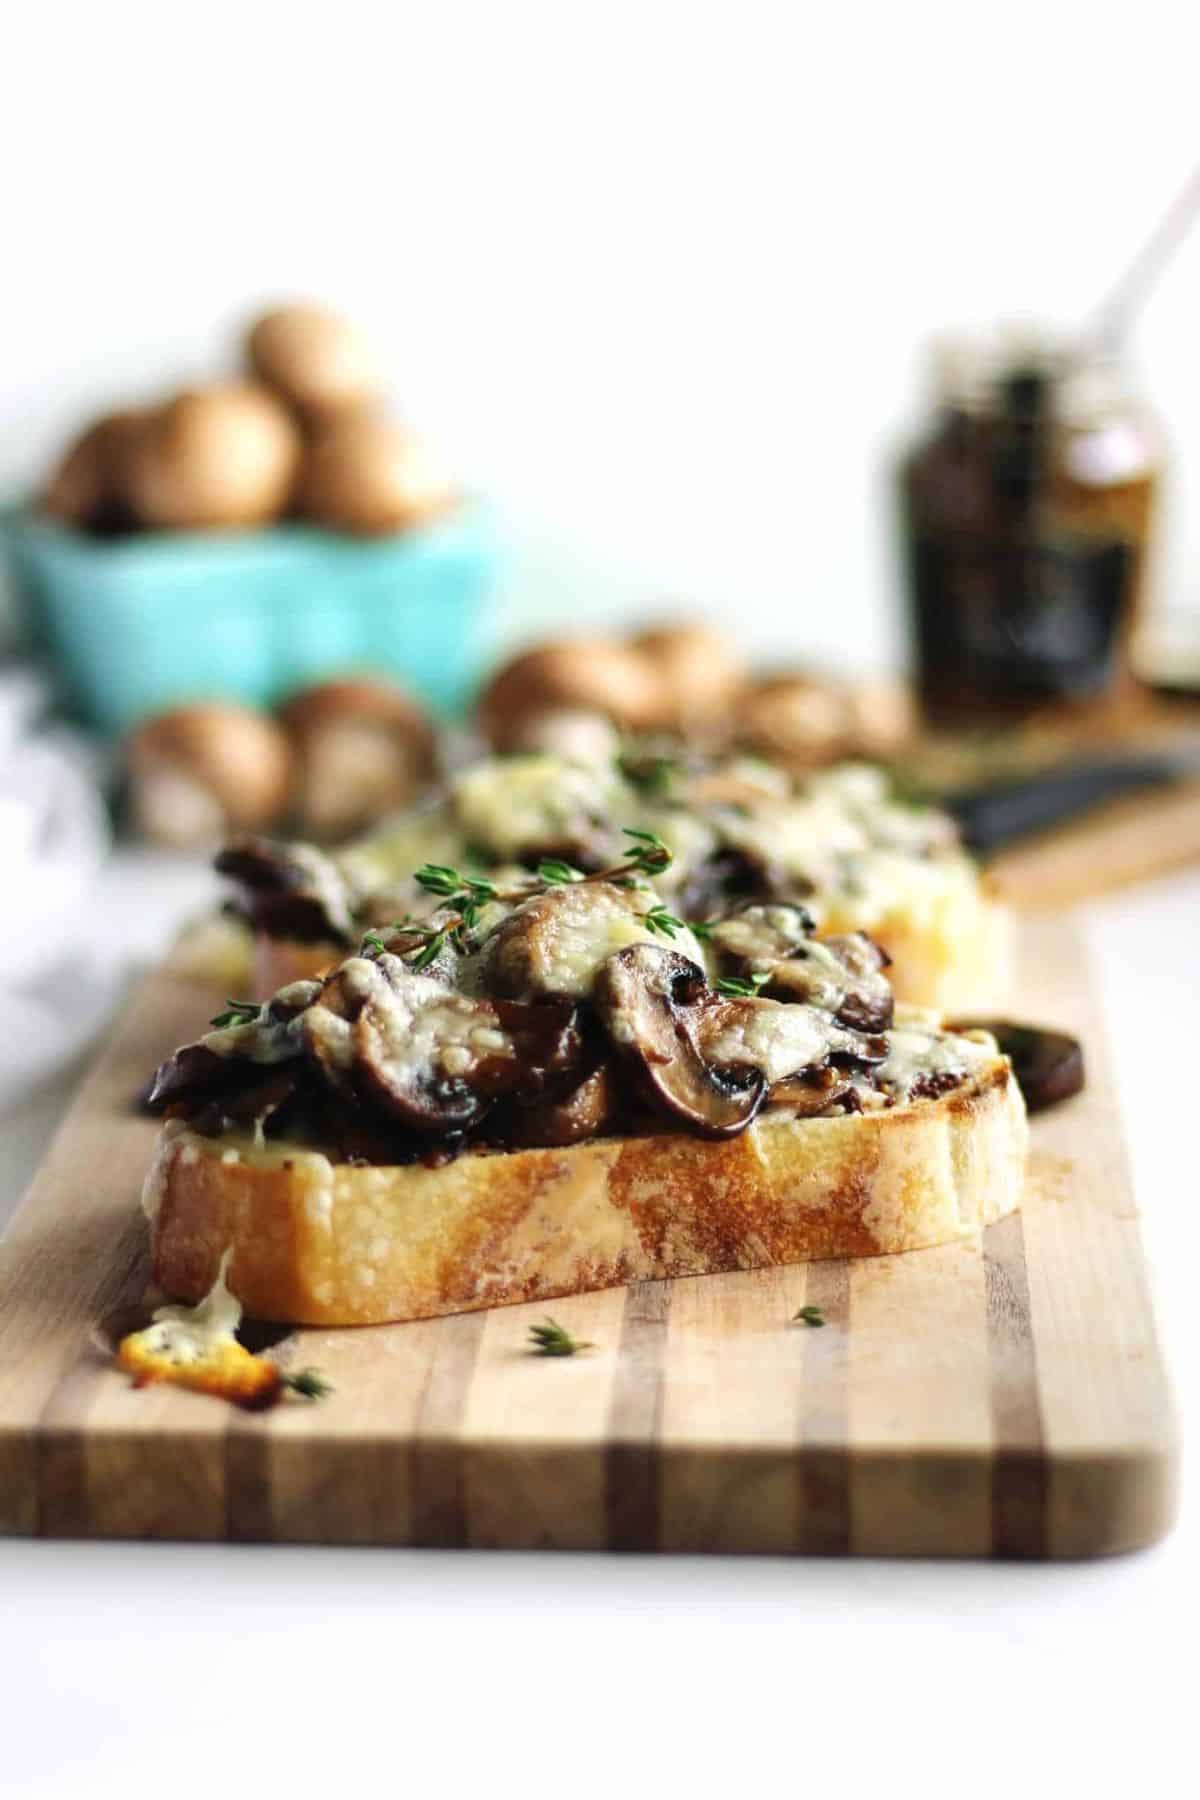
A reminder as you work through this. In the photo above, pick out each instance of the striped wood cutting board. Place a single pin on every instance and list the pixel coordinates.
(1003, 1397)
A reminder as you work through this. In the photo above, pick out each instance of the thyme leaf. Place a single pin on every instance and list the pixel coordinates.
(552, 1339)
(553, 872)
(241, 1012)
(308, 1383)
(743, 988)
(809, 1315)
(660, 920)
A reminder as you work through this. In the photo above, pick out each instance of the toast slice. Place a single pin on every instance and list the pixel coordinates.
(316, 1241)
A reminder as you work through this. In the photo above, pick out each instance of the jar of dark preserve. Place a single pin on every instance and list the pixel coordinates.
(1027, 510)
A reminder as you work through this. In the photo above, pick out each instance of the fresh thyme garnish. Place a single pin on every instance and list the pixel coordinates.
(811, 1315)
(308, 1383)
(553, 872)
(652, 774)
(465, 893)
(659, 919)
(741, 988)
(432, 946)
(241, 1012)
(703, 929)
(552, 1339)
(465, 896)
(649, 854)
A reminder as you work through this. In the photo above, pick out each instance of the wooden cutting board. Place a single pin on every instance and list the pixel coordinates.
(1003, 1397)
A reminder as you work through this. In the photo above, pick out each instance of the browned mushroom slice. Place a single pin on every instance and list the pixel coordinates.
(555, 942)
(1048, 1064)
(652, 1002)
(288, 890)
(760, 933)
(437, 1059)
(842, 975)
(808, 1095)
(193, 1074)
(584, 1112)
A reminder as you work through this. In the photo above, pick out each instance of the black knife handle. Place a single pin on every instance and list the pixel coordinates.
(1005, 811)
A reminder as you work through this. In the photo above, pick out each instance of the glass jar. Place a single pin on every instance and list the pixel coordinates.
(1027, 512)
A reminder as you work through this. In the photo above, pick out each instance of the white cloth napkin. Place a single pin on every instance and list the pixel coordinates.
(54, 838)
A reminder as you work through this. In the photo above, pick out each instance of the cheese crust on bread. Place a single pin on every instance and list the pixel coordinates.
(315, 1241)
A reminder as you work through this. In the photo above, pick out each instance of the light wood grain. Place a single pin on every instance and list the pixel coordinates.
(1128, 841)
(1003, 1396)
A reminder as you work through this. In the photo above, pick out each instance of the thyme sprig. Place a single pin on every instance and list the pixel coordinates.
(555, 873)
(241, 1012)
(660, 920)
(653, 775)
(310, 1384)
(552, 1339)
(465, 896)
(809, 1315)
(743, 987)
(648, 853)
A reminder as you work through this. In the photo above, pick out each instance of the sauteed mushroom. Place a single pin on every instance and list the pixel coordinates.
(652, 1002)
(288, 890)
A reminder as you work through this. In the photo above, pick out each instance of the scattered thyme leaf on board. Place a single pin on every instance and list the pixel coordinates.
(551, 1339)
(809, 1315)
(310, 1384)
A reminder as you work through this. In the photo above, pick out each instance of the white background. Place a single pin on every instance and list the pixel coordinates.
(655, 275)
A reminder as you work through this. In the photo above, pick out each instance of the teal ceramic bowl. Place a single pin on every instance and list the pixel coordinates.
(137, 624)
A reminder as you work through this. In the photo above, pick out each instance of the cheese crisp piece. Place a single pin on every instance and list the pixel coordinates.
(196, 1347)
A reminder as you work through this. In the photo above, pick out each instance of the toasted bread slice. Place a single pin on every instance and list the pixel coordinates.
(321, 1243)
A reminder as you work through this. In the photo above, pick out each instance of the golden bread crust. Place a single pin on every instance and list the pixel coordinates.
(316, 1243)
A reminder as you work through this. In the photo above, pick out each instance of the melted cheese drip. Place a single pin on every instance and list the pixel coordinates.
(190, 1334)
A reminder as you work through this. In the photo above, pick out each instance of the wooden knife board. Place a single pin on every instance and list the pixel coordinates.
(998, 1397)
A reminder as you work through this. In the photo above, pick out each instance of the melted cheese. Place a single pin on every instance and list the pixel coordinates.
(780, 1039)
(916, 1049)
(191, 1334)
(556, 943)
(512, 805)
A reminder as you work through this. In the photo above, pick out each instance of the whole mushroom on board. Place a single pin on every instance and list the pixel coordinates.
(363, 747)
(579, 675)
(369, 477)
(700, 674)
(203, 770)
(795, 717)
(90, 485)
(317, 361)
(221, 456)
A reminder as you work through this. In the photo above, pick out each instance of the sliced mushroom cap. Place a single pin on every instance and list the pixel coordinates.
(288, 890)
(757, 934)
(652, 1002)
(1048, 1064)
(584, 1111)
(814, 1093)
(191, 1076)
(433, 1058)
(783, 1040)
(556, 941)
